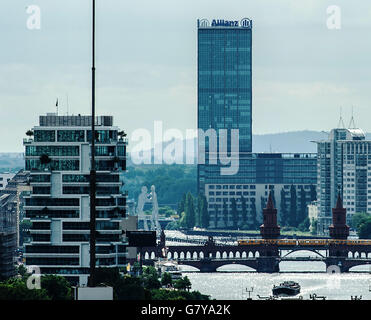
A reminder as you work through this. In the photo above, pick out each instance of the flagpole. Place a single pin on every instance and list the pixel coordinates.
(92, 166)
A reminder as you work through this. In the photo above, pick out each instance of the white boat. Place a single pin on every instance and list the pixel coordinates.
(170, 267)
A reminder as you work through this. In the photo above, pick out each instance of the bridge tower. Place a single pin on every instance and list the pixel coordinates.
(270, 229)
(339, 229)
(269, 254)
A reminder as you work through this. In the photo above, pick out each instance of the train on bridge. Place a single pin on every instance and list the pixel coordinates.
(303, 242)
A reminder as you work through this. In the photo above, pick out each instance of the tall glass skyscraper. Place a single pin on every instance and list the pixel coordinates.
(224, 84)
(225, 102)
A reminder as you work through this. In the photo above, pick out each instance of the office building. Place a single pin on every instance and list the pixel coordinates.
(225, 102)
(58, 160)
(260, 174)
(344, 165)
(8, 235)
(5, 177)
(224, 58)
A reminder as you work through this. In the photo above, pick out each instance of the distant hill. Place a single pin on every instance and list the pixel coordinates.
(290, 142)
(295, 141)
(11, 162)
(285, 142)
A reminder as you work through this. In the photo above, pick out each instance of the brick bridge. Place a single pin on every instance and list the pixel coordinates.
(266, 256)
(262, 258)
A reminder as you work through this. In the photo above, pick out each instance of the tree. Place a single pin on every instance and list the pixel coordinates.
(29, 133)
(57, 287)
(313, 193)
(204, 212)
(181, 204)
(293, 207)
(243, 210)
(283, 208)
(304, 225)
(234, 213)
(198, 211)
(364, 229)
(216, 209)
(303, 206)
(183, 284)
(358, 218)
(313, 226)
(16, 289)
(225, 214)
(189, 209)
(121, 134)
(254, 221)
(166, 279)
(150, 278)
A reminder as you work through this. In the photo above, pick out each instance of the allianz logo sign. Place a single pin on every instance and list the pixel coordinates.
(244, 23)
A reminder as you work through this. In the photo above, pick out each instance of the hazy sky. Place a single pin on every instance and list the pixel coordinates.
(146, 62)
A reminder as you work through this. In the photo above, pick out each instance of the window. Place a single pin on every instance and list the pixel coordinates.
(71, 135)
(44, 135)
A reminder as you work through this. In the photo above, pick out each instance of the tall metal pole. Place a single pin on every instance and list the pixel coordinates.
(92, 166)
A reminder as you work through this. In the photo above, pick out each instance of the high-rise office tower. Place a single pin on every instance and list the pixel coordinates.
(343, 166)
(224, 87)
(225, 102)
(58, 160)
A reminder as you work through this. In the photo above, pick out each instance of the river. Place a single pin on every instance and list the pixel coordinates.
(232, 281)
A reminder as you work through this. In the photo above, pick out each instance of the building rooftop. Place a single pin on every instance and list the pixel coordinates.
(55, 120)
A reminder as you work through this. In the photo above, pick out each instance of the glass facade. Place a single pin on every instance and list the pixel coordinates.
(344, 165)
(224, 93)
(58, 160)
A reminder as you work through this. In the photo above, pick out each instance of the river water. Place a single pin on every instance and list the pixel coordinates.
(232, 281)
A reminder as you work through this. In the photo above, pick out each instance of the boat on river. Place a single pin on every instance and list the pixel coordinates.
(287, 288)
(169, 267)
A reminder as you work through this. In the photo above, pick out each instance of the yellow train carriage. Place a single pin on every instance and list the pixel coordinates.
(303, 242)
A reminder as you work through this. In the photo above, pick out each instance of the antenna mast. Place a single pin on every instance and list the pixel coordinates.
(341, 121)
(91, 281)
(352, 121)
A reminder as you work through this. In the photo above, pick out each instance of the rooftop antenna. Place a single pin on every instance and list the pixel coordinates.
(352, 121)
(341, 121)
(56, 106)
(67, 102)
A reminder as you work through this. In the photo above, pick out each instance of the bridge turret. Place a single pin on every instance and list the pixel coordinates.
(162, 239)
(339, 229)
(270, 229)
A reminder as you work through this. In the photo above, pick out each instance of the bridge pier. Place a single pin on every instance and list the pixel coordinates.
(336, 264)
(268, 265)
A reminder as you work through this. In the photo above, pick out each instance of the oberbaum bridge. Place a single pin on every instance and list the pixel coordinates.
(265, 254)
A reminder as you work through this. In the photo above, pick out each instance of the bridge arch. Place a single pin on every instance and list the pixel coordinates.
(361, 267)
(243, 267)
(303, 249)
